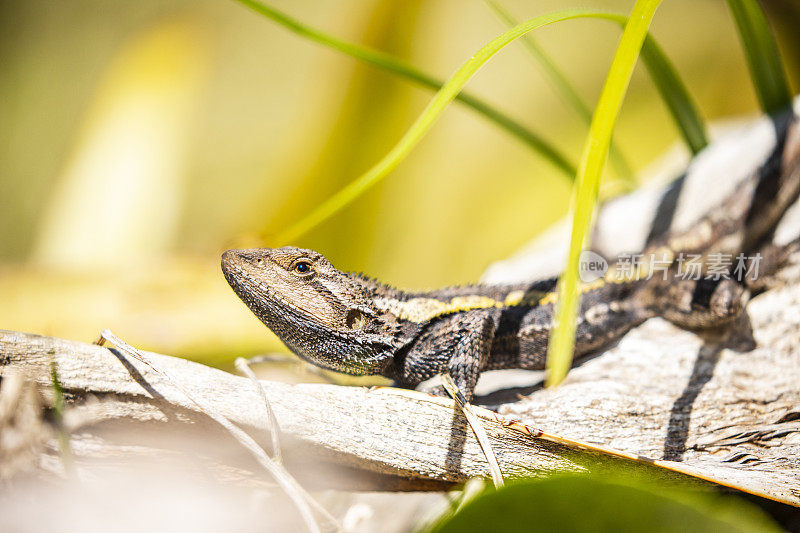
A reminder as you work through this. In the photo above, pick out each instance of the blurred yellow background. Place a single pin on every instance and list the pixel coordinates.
(140, 139)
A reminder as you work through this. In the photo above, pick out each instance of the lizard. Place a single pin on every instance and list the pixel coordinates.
(354, 324)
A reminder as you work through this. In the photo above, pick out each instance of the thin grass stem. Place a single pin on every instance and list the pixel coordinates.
(562, 87)
(477, 428)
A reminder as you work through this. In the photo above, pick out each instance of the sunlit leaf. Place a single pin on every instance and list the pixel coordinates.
(588, 504)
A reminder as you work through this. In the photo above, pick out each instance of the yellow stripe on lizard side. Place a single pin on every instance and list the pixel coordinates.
(423, 309)
(514, 298)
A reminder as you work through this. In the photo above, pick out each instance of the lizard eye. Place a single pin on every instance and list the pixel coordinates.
(302, 267)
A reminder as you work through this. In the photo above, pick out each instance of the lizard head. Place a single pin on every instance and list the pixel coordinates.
(323, 315)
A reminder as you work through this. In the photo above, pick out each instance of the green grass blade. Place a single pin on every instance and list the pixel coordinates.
(563, 88)
(382, 60)
(562, 340)
(428, 117)
(672, 90)
(762, 55)
(392, 64)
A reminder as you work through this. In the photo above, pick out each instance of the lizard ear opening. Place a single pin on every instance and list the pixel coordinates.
(355, 320)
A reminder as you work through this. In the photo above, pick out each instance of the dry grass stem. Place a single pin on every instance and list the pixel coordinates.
(273, 430)
(477, 428)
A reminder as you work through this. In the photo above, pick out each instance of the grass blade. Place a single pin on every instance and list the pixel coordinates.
(762, 55)
(595, 153)
(425, 121)
(669, 85)
(672, 90)
(391, 64)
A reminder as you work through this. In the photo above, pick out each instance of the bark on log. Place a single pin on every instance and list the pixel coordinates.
(382, 429)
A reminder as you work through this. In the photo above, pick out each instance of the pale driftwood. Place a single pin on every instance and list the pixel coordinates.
(384, 430)
(301, 499)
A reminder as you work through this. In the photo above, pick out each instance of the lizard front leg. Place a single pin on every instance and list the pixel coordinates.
(458, 344)
(471, 351)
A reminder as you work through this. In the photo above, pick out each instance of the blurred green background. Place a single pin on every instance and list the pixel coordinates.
(140, 139)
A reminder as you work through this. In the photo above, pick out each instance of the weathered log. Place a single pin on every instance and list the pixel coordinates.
(385, 430)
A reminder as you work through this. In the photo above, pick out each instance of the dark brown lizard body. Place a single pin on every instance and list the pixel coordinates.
(353, 324)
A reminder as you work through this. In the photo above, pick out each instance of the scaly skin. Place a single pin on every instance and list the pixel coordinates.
(353, 324)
